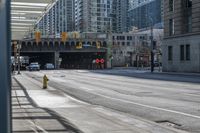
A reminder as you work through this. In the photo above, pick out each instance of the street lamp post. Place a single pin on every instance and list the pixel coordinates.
(152, 47)
(19, 62)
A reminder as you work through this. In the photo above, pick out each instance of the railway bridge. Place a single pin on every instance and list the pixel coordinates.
(71, 54)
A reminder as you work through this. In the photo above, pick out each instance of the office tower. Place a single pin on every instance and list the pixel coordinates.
(120, 16)
(145, 13)
(59, 18)
(93, 15)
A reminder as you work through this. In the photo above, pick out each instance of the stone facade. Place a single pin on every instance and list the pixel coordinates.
(181, 45)
(176, 64)
(134, 47)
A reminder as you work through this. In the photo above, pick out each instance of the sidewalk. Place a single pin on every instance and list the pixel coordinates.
(28, 118)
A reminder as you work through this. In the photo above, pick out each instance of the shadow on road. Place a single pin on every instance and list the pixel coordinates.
(173, 77)
(29, 118)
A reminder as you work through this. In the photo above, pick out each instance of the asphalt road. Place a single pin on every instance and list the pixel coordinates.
(168, 99)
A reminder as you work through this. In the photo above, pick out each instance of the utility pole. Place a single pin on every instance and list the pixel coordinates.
(109, 55)
(19, 62)
(15, 56)
(5, 76)
(152, 48)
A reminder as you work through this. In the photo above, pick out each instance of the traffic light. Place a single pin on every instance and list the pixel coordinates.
(64, 36)
(98, 45)
(79, 45)
(37, 37)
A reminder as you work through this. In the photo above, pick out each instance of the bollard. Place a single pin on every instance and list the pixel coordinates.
(45, 82)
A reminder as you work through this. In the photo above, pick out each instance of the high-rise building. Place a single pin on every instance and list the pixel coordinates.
(181, 45)
(145, 13)
(120, 16)
(93, 15)
(60, 18)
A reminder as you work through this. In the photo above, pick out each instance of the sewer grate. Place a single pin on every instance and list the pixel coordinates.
(169, 123)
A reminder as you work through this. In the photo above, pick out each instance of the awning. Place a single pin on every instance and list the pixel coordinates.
(25, 14)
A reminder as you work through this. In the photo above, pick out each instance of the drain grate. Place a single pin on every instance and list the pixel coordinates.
(169, 123)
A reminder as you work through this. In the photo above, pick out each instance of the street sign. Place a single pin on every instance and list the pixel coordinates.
(37, 36)
(64, 36)
(102, 61)
(97, 61)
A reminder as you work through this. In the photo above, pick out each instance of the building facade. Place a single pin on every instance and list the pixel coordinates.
(181, 46)
(134, 48)
(120, 16)
(145, 13)
(59, 18)
(93, 15)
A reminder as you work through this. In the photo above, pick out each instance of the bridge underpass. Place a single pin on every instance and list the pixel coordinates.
(80, 60)
(41, 57)
(65, 55)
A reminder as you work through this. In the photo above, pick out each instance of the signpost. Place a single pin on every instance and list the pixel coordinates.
(97, 61)
(5, 77)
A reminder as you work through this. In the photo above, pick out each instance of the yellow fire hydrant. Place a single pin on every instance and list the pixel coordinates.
(45, 82)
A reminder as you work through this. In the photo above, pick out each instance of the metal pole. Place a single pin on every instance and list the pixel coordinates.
(152, 53)
(19, 62)
(15, 56)
(5, 69)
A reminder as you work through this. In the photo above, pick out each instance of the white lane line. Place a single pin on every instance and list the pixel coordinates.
(152, 107)
(190, 94)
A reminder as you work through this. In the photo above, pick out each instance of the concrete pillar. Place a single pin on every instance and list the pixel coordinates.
(57, 60)
(5, 77)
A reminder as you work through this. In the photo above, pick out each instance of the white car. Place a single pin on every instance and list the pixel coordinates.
(49, 66)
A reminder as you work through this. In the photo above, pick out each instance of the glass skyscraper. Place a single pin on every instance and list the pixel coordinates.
(145, 13)
(60, 18)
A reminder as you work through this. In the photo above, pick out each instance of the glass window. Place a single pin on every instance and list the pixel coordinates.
(188, 3)
(171, 27)
(170, 53)
(187, 52)
(171, 5)
(182, 53)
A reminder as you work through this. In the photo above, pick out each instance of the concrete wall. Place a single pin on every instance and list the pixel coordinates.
(176, 65)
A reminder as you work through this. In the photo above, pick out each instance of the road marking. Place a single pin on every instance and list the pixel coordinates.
(152, 107)
(190, 94)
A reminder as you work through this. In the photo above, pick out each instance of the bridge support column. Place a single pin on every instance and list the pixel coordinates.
(57, 60)
(5, 77)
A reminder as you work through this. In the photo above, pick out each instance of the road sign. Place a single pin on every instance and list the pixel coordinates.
(97, 61)
(98, 45)
(102, 61)
(64, 36)
(37, 36)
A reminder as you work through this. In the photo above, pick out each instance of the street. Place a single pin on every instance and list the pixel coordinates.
(125, 96)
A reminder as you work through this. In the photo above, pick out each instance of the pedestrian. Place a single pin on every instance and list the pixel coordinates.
(12, 68)
(93, 64)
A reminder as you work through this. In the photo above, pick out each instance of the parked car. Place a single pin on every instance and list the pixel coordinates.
(49, 66)
(34, 67)
(157, 64)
